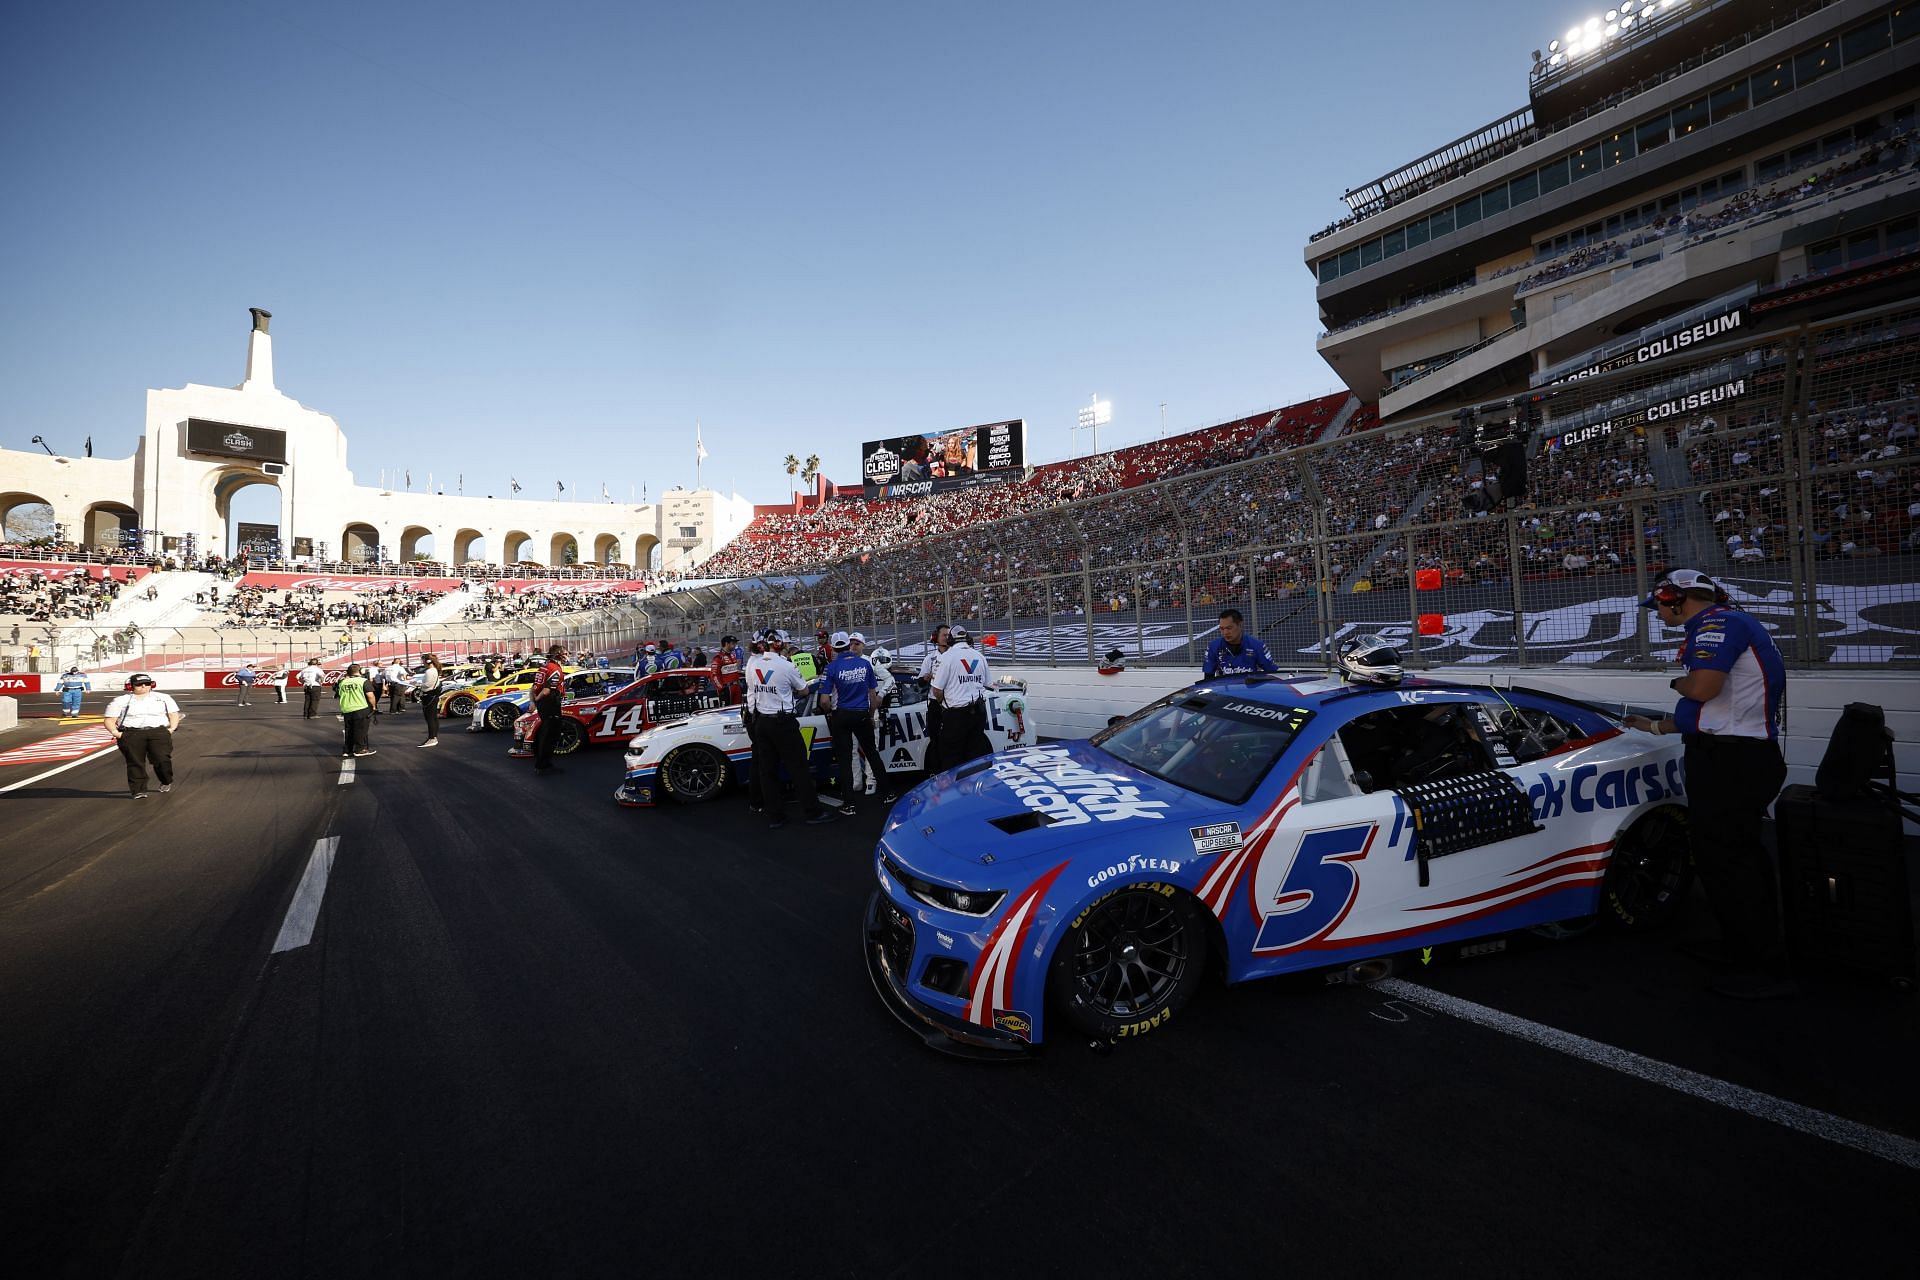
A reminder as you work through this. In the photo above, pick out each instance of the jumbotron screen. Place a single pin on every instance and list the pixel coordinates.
(939, 461)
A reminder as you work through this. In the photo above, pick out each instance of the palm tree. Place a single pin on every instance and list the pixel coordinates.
(792, 464)
(812, 469)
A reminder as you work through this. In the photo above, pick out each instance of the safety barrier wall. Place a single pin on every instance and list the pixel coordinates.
(1782, 463)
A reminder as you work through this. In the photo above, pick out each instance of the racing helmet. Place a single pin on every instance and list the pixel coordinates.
(1369, 659)
(880, 655)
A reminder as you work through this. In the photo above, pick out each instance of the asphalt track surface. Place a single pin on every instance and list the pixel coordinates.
(536, 1033)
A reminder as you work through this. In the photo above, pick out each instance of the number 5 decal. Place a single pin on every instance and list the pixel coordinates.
(1318, 889)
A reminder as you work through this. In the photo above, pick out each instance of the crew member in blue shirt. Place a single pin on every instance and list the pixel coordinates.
(1729, 717)
(850, 681)
(1234, 652)
(72, 685)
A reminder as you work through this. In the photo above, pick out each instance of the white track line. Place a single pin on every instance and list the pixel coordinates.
(1763, 1106)
(71, 764)
(346, 771)
(302, 913)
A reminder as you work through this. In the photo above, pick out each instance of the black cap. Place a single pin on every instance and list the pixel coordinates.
(141, 679)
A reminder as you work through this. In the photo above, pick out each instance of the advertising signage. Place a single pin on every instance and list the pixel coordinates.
(939, 461)
(225, 440)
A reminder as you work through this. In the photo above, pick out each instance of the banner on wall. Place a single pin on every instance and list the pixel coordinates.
(55, 572)
(940, 461)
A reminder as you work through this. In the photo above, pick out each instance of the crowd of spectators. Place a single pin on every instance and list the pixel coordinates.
(494, 605)
(309, 609)
(34, 596)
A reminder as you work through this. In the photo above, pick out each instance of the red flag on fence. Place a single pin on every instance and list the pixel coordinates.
(1426, 580)
(990, 640)
(1432, 624)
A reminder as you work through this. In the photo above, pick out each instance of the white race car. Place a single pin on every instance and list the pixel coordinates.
(694, 759)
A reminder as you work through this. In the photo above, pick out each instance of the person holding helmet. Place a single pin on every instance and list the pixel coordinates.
(852, 685)
(1729, 717)
(960, 689)
(774, 690)
(937, 645)
(1370, 659)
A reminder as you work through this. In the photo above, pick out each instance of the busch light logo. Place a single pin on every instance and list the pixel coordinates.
(882, 465)
(237, 440)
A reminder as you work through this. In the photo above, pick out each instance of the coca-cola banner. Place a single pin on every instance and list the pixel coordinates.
(343, 582)
(63, 569)
(268, 677)
(585, 586)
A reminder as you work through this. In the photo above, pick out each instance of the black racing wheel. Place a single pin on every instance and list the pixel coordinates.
(693, 773)
(501, 715)
(1650, 873)
(1130, 961)
(460, 706)
(570, 738)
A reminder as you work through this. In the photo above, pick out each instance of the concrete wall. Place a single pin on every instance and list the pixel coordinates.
(1073, 702)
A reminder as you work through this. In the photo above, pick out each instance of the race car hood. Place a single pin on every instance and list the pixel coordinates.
(1039, 800)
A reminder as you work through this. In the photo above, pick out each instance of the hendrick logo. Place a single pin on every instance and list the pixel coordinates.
(237, 440)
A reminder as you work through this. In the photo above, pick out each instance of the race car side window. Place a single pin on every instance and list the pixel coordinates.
(1399, 746)
(1327, 775)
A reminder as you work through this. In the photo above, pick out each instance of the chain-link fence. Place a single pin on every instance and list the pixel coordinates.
(1782, 465)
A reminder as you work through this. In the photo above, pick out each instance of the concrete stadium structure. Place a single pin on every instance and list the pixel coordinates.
(1684, 166)
(203, 444)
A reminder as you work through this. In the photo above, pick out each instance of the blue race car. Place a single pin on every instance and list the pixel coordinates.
(1263, 825)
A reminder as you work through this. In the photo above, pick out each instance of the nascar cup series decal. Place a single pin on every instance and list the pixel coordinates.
(1048, 780)
(1215, 837)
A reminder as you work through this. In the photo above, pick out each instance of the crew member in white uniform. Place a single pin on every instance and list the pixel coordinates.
(142, 721)
(937, 646)
(960, 689)
(774, 690)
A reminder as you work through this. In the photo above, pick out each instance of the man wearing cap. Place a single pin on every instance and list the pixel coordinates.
(960, 687)
(549, 690)
(71, 688)
(311, 677)
(774, 688)
(729, 668)
(245, 677)
(851, 683)
(881, 699)
(1729, 717)
(142, 722)
(937, 645)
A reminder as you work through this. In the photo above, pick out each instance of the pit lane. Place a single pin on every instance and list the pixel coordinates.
(536, 1032)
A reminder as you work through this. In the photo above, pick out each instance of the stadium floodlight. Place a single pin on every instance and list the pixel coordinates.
(1095, 416)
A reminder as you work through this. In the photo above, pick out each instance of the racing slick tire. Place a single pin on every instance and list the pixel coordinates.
(1650, 873)
(1129, 961)
(460, 706)
(693, 773)
(500, 717)
(570, 738)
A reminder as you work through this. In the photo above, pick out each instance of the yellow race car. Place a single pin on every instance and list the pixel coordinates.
(459, 703)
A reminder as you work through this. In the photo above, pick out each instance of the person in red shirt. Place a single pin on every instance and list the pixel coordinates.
(728, 667)
(548, 690)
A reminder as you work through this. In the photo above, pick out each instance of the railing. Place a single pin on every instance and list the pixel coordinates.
(1371, 533)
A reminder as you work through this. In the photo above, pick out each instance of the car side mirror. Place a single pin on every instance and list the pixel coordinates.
(1363, 780)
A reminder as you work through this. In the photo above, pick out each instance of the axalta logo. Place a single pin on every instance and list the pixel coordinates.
(1133, 864)
(1048, 780)
(237, 440)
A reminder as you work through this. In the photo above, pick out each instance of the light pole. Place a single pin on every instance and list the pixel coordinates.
(1094, 416)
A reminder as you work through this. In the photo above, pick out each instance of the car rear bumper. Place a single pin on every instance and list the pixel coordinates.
(941, 1031)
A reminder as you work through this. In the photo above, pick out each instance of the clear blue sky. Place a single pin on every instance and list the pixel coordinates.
(487, 229)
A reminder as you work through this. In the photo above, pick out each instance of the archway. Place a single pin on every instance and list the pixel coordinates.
(112, 525)
(416, 543)
(248, 505)
(606, 549)
(469, 545)
(563, 550)
(359, 544)
(646, 552)
(515, 548)
(26, 517)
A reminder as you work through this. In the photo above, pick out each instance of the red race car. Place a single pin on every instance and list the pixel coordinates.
(618, 716)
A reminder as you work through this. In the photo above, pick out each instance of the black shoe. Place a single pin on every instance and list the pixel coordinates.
(889, 798)
(754, 808)
(139, 795)
(821, 818)
(848, 810)
(776, 824)
(1713, 953)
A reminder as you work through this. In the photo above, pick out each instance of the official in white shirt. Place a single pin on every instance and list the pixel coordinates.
(399, 680)
(937, 645)
(960, 689)
(774, 690)
(312, 677)
(142, 721)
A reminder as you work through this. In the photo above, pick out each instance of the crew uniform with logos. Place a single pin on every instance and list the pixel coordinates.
(729, 666)
(71, 687)
(1729, 717)
(937, 646)
(852, 683)
(774, 688)
(142, 722)
(548, 694)
(960, 686)
(1245, 658)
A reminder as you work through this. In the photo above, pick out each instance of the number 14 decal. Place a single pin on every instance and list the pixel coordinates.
(628, 719)
(1316, 890)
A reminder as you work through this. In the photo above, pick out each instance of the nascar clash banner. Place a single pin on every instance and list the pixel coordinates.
(912, 466)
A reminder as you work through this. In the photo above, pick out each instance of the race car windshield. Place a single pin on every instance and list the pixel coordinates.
(1220, 747)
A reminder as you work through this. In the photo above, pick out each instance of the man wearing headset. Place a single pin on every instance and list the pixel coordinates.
(1729, 716)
